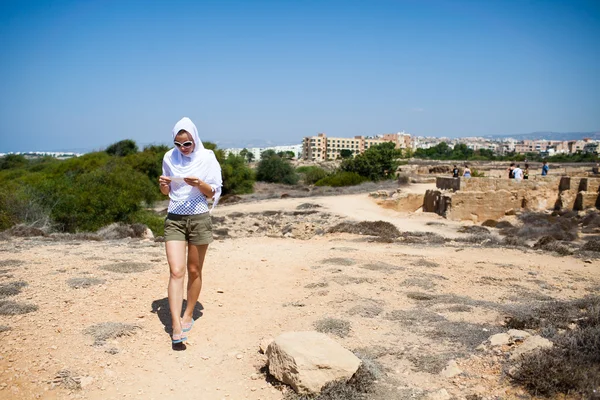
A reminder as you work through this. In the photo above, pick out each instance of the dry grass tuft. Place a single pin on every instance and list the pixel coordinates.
(11, 288)
(422, 283)
(307, 206)
(8, 307)
(382, 267)
(572, 365)
(67, 379)
(421, 238)
(474, 230)
(77, 283)
(368, 228)
(11, 263)
(366, 310)
(490, 223)
(420, 296)
(5, 328)
(339, 261)
(536, 225)
(414, 316)
(592, 245)
(347, 280)
(126, 267)
(431, 363)
(425, 263)
(109, 330)
(22, 230)
(338, 327)
(75, 236)
(316, 285)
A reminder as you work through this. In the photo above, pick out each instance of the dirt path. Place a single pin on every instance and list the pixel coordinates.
(261, 287)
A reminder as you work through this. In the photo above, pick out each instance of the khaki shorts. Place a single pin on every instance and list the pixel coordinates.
(194, 229)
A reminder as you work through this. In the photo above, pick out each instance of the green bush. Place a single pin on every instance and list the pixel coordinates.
(273, 168)
(238, 178)
(155, 222)
(376, 163)
(122, 148)
(311, 174)
(11, 161)
(106, 195)
(341, 179)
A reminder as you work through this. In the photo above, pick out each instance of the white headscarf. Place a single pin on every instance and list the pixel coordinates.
(201, 163)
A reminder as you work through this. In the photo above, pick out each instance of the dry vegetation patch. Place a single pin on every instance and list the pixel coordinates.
(109, 330)
(366, 310)
(382, 267)
(368, 228)
(8, 307)
(126, 267)
(572, 365)
(339, 261)
(11, 288)
(335, 326)
(77, 283)
(11, 263)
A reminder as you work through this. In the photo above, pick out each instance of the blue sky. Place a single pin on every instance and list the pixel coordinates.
(80, 75)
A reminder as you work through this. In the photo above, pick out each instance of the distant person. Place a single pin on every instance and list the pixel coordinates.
(455, 172)
(191, 175)
(511, 168)
(518, 173)
(545, 168)
(467, 172)
(526, 172)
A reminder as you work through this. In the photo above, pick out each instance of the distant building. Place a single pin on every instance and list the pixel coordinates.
(257, 151)
(322, 148)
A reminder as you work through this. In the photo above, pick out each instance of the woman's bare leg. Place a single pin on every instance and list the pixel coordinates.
(176, 259)
(195, 262)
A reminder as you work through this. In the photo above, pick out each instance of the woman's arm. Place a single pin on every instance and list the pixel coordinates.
(204, 187)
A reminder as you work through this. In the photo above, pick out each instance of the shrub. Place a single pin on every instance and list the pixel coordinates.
(127, 267)
(592, 245)
(122, 148)
(339, 179)
(149, 219)
(338, 327)
(109, 330)
(376, 163)
(8, 307)
(275, 169)
(370, 228)
(77, 283)
(311, 174)
(99, 198)
(238, 177)
(572, 365)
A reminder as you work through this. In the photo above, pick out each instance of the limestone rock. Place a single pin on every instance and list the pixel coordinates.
(499, 339)
(148, 234)
(264, 344)
(308, 360)
(441, 394)
(451, 370)
(518, 335)
(530, 344)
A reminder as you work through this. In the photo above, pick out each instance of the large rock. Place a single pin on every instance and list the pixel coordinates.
(530, 344)
(308, 360)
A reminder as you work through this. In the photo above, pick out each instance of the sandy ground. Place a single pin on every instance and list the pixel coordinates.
(260, 287)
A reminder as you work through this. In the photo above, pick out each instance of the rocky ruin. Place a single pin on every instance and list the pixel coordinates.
(480, 199)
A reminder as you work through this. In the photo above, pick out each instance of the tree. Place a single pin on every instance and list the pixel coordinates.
(376, 163)
(10, 161)
(273, 168)
(122, 148)
(248, 156)
(345, 153)
(238, 178)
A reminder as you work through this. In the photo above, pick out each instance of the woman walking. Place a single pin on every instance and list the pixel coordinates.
(191, 175)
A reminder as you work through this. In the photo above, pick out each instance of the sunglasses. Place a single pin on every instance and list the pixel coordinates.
(185, 145)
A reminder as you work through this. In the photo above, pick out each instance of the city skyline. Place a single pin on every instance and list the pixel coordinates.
(83, 75)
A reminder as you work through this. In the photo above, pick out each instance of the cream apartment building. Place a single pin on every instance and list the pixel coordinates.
(323, 148)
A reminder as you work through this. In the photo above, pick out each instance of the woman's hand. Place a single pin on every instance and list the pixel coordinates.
(204, 187)
(164, 182)
(193, 181)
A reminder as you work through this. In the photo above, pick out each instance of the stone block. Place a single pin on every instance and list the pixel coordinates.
(307, 361)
